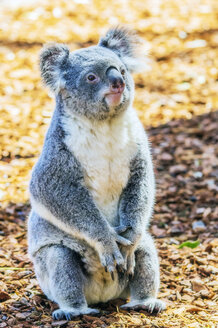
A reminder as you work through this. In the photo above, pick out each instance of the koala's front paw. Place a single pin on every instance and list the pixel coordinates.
(110, 255)
(109, 258)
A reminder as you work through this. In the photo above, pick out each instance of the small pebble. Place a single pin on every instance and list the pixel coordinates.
(198, 174)
(198, 226)
(173, 241)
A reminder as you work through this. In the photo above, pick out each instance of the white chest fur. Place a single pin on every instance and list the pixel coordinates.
(104, 150)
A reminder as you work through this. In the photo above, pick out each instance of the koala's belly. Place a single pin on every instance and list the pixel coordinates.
(105, 152)
(101, 288)
(106, 177)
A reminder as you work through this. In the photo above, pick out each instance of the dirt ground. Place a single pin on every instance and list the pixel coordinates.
(176, 99)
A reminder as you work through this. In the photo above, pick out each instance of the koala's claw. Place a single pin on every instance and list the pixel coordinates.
(109, 262)
(120, 268)
(110, 270)
(112, 275)
(130, 275)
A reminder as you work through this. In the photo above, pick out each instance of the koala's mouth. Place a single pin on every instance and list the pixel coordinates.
(114, 98)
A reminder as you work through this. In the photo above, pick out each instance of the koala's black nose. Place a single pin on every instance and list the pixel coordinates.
(116, 81)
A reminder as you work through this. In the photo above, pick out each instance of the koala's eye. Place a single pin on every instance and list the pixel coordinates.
(92, 78)
(123, 71)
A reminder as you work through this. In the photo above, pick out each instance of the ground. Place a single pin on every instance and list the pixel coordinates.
(176, 99)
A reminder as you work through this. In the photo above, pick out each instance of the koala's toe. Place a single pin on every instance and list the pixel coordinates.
(118, 258)
(159, 306)
(154, 305)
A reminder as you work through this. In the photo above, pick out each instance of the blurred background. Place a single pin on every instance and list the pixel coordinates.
(181, 80)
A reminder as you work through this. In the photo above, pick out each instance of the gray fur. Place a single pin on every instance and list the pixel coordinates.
(136, 204)
(52, 61)
(126, 44)
(58, 167)
(80, 257)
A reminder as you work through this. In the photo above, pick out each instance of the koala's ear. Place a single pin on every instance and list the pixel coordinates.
(53, 61)
(126, 44)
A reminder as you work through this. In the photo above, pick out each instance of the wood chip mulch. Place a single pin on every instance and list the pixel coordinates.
(185, 160)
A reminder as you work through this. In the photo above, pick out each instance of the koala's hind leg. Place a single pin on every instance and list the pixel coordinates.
(58, 270)
(145, 281)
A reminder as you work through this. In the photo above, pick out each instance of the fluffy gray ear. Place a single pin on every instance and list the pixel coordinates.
(53, 60)
(126, 44)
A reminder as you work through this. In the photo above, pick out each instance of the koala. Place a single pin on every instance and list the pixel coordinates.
(92, 190)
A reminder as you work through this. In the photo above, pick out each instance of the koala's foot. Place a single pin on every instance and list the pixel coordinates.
(64, 281)
(152, 305)
(68, 314)
(144, 282)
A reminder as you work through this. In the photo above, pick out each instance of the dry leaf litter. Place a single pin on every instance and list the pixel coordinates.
(176, 99)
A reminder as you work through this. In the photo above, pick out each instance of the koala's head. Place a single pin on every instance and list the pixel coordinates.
(94, 82)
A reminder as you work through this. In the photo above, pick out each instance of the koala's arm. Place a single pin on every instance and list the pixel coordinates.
(137, 199)
(59, 196)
